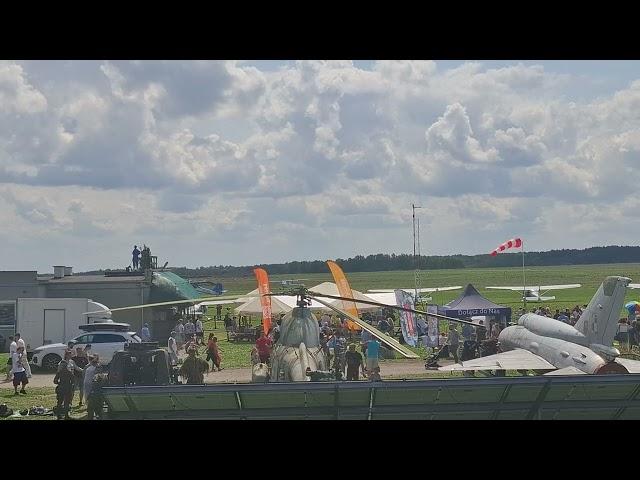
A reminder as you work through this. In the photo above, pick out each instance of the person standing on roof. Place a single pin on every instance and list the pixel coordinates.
(136, 257)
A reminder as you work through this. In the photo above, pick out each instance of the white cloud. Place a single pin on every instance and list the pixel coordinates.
(308, 156)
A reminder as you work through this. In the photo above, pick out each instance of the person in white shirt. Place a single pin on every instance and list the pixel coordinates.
(199, 332)
(179, 334)
(21, 343)
(89, 373)
(13, 346)
(19, 373)
(172, 346)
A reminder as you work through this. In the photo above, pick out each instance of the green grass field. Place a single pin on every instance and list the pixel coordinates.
(590, 276)
(38, 396)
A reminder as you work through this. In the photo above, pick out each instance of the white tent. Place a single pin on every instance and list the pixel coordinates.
(330, 288)
(388, 298)
(254, 306)
(285, 303)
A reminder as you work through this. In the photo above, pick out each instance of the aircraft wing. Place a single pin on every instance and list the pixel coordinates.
(559, 287)
(567, 371)
(633, 285)
(540, 287)
(515, 289)
(411, 290)
(517, 359)
(633, 366)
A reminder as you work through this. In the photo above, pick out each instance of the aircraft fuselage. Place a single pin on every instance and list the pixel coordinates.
(559, 344)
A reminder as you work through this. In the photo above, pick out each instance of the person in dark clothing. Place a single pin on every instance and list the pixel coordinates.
(383, 325)
(65, 385)
(136, 257)
(354, 363)
(95, 399)
(481, 332)
(194, 368)
(469, 349)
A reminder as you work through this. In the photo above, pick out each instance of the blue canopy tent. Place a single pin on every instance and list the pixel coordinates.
(470, 303)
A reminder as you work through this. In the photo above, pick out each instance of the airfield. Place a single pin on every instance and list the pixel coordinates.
(236, 356)
(590, 276)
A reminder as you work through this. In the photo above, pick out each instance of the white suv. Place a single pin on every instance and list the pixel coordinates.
(104, 342)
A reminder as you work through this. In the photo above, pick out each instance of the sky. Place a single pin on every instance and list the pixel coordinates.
(247, 162)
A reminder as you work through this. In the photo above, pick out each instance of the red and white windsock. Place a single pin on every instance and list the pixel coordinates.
(513, 243)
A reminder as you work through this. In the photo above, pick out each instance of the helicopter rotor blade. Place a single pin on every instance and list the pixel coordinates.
(386, 339)
(397, 307)
(177, 302)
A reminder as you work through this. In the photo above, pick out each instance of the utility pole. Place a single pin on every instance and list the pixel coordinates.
(416, 253)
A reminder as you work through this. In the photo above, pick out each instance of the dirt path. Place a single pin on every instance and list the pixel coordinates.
(395, 369)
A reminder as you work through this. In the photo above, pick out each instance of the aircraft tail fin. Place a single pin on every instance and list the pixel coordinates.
(599, 322)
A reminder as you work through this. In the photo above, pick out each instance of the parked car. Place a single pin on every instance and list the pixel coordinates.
(105, 340)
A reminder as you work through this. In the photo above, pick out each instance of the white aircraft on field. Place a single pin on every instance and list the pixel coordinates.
(412, 290)
(532, 294)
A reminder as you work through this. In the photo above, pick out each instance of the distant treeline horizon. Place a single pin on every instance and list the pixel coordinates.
(385, 262)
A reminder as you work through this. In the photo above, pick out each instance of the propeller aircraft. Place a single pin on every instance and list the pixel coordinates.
(532, 294)
(413, 291)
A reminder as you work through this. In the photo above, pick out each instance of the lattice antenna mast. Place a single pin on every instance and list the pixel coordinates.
(416, 251)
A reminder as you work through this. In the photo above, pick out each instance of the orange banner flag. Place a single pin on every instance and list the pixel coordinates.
(345, 291)
(263, 288)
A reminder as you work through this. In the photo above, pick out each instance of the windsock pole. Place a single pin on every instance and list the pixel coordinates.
(524, 296)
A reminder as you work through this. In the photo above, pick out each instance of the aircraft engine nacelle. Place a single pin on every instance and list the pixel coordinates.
(550, 327)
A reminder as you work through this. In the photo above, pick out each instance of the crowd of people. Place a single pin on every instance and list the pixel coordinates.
(341, 355)
(567, 316)
(188, 336)
(20, 370)
(81, 372)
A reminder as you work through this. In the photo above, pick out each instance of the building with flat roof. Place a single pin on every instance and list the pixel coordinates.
(114, 289)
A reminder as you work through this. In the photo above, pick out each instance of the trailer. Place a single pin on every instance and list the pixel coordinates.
(43, 321)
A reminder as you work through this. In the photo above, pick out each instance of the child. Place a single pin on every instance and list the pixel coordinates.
(375, 375)
(255, 356)
(213, 352)
(18, 370)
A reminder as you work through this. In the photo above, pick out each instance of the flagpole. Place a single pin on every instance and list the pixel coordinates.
(524, 283)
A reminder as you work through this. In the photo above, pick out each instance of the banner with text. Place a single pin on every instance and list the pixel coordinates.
(407, 319)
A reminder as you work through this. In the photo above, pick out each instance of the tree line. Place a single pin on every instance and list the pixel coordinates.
(384, 262)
